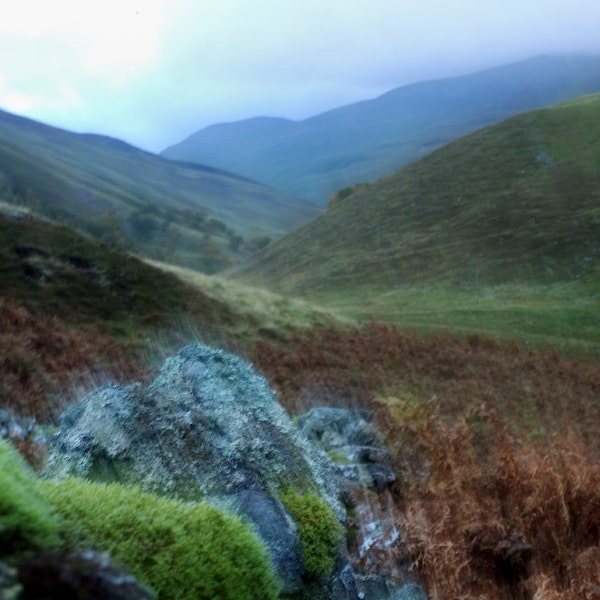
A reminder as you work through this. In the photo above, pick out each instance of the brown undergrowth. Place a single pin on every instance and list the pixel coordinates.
(42, 362)
(507, 519)
(497, 451)
(534, 394)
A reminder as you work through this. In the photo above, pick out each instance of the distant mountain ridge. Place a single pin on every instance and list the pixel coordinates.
(193, 215)
(517, 202)
(360, 142)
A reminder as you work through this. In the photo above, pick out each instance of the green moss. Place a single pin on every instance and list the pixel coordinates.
(181, 549)
(339, 458)
(26, 522)
(320, 531)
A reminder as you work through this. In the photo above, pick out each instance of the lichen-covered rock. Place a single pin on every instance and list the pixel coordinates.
(207, 427)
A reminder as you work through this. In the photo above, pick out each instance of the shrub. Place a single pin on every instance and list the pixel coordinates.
(181, 549)
(26, 522)
(320, 531)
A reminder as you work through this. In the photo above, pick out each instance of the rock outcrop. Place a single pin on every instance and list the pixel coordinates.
(208, 427)
(211, 428)
(365, 472)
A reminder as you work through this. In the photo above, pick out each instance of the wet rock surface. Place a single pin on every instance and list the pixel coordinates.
(364, 470)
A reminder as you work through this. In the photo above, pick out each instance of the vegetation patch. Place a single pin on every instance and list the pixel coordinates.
(496, 233)
(531, 391)
(26, 522)
(320, 531)
(43, 361)
(180, 549)
(490, 514)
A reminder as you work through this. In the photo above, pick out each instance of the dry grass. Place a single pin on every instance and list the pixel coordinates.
(490, 515)
(534, 394)
(269, 311)
(41, 362)
(497, 451)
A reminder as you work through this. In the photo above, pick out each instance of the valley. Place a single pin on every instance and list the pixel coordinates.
(455, 300)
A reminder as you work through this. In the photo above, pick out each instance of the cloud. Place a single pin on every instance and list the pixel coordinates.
(153, 71)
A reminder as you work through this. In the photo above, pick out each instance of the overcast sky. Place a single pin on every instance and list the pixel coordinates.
(152, 72)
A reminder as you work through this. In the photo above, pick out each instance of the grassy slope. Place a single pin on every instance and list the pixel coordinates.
(55, 272)
(496, 232)
(487, 467)
(87, 177)
(75, 312)
(72, 307)
(363, 141)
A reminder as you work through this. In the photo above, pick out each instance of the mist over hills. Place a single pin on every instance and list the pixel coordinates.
(187, 213)
(515, 202)
(360, 142)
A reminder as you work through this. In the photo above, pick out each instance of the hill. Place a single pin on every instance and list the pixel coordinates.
(74, 308)
(315, 157)
(481, 435)
(189, 214)
(514, 205)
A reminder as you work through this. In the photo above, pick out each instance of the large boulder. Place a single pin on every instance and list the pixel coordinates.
(208, 427)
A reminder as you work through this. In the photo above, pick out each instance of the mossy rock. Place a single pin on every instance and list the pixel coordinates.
(180, 549)
(320, 532)
(26, 522)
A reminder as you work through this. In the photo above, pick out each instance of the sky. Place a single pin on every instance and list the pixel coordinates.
(151, 72)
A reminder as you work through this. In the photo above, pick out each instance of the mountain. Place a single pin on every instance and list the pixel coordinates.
(314, 158)
(517, 202)
(186, 213)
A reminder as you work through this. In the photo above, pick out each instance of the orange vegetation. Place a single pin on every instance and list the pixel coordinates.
(497, 451)
(41, 361)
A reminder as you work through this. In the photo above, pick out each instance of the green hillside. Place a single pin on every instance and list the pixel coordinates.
(315, 157)
(77, 312)
(184, 213)
(503, 220)
(55, 272)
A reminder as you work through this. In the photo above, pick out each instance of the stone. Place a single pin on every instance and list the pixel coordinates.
(365, 468)
(278, 530)
(410, 591)
(208, 427)
(9, 586)
(88, 575)
(349, 435)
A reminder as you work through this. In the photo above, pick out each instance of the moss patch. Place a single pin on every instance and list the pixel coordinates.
(320, 531)
(26, 522)
(181, 549)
